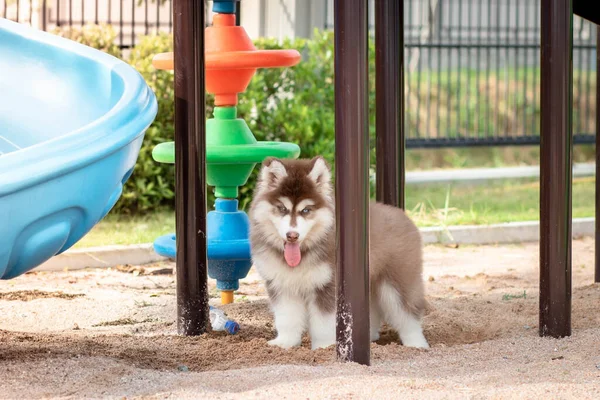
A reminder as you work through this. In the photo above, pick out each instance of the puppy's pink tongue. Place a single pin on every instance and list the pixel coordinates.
(291, 252)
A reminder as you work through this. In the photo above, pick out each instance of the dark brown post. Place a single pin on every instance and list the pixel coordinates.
(352, 180)
(238, 15)
(389, 84)
(45, 14)
(597, 272)
(556, 167)
(190, 161)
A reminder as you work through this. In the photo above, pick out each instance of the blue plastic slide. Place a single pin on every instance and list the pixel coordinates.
(72, 121)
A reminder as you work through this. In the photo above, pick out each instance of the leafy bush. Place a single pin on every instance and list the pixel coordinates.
(101, 37)
(152, 184)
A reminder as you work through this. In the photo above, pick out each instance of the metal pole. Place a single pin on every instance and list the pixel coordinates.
(555, 168)
(597, 272)
(389, 101)
(352, 180)
(190, 163)
(44, 15)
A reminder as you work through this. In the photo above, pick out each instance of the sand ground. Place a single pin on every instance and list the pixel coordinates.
(111, 333)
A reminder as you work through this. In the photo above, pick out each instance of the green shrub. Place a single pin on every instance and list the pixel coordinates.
(152, 184)
(101, 37)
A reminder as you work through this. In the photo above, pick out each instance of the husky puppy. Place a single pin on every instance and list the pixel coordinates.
(292, 234)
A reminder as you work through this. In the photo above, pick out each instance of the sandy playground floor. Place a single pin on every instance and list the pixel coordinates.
(112, 334)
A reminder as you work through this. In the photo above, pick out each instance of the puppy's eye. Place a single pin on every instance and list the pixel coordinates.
(305, 211)
(282, 209)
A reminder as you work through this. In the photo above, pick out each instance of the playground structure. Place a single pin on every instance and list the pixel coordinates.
(352, 160)
(232, 151)
(61, 171)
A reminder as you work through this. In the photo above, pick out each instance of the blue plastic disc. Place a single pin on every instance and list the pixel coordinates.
(165, 246)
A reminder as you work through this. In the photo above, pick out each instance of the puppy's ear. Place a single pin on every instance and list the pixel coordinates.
(271, 173)
(320, 174)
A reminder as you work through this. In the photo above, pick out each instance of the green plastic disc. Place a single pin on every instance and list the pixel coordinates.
(232, 152)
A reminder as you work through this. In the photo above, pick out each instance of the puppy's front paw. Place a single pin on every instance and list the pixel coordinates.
(284, 342)
(417, 342)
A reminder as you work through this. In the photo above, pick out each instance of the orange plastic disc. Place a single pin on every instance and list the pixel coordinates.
(237, 60)
(231, 59)
(252, 59)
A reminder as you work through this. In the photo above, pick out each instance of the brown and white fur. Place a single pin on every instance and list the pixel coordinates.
(297, 196)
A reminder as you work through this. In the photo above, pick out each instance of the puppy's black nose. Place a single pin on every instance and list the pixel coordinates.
(292, 236)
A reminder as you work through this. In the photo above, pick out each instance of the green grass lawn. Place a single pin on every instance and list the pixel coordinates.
(120, 229)
(504, 201)
(428, 205)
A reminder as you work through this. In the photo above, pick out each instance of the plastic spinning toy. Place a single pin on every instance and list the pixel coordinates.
(232, 151)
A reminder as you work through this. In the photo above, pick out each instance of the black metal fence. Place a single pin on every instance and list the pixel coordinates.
(129, 18)
(472, 66)
(472, 72)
